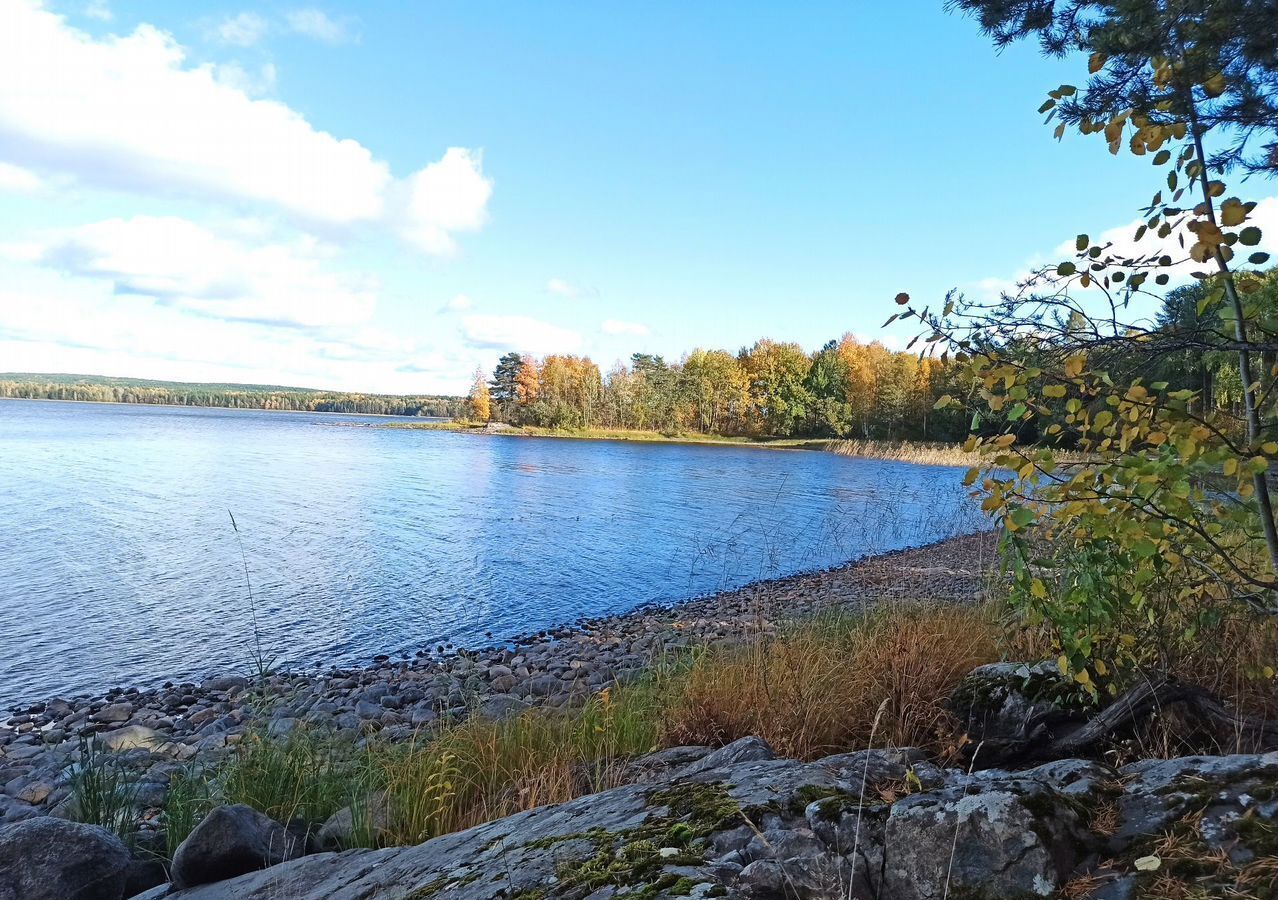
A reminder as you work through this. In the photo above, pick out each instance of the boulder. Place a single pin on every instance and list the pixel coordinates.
(113, 713)
(999, 839)
(46, 858)
(1009, 708)
(344, 828)
(132, 737)
(230, 841)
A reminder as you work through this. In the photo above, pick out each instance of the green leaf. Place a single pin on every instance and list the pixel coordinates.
(1161, 157)
(1145, 548)
(1257, 259)
(1066, 269)
(1249, 236)
(1081, 242)
(1022, 516)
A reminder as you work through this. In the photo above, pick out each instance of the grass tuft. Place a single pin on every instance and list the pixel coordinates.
(816, 687)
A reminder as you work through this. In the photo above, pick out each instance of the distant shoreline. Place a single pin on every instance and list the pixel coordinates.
(915, 452)
(300, 412)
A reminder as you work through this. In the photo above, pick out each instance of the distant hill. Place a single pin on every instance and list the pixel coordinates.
(106, 389)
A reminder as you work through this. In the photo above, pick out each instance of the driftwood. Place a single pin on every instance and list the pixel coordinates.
(1150, 697)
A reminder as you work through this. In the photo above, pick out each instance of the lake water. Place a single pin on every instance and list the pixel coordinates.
(119, 565)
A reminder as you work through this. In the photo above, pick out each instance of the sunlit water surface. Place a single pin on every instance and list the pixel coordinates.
(119, 565)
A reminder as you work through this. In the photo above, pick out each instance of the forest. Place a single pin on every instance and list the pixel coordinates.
(98, 389)
(846, 388)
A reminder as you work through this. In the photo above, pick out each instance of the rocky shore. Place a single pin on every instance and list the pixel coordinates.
(877, 824)
(164, 728)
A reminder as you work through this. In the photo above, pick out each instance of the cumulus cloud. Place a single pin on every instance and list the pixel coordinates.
(99, 10)
(1123, 244)
(184, 265)
(243, 30)
(1264, 216)
(316, 24)
(253, 84)
(617, 326)
(17, 180)
(128, 113)
(561, 287)
(521, 333)
(446, 196)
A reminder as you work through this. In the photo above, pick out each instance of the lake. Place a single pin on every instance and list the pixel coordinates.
(119, 564)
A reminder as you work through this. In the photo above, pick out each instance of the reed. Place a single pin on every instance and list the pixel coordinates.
(925, 453)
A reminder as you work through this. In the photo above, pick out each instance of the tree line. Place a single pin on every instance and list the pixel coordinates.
(234, 397)
(846, 388)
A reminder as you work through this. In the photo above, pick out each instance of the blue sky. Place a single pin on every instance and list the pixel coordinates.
(383, 196)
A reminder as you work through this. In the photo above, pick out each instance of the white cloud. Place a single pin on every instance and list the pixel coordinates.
(617, 326)
(316, 24)
(521, 333)
(99, 10)
(1123, 244)
(563, 288)
(18, 180)
(446, 196)
(234, 75)
(186, 266)
(127, 113)
(1264, 216)
(243, 30)
(460, 303)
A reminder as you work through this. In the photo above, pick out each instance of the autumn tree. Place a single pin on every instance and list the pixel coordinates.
(718, 390)
(777, 374)
(479, 402)
(1166, 521)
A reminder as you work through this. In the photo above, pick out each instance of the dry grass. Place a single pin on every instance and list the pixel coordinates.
(928, 453)
(815, 688)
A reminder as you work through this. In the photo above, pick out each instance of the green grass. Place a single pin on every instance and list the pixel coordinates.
(104, 792)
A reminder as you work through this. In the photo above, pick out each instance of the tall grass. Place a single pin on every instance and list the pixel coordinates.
(835, 683)
(485, 769)
(929, 453)
(816, 687)
(104, 791)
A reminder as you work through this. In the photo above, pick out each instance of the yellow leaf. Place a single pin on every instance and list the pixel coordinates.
(1230, 467)
(1062, 663)
(1215, 85)
(1101, 669)
(1148, 864)
(1038, 589)
(1269, 447)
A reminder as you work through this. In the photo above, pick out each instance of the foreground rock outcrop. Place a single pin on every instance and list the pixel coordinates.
(873, 825)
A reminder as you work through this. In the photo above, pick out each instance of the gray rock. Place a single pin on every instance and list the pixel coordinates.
(344, 827)
(502, 706)
(230, 841)
(115, 712)
(747, 749)
(1008, 707)
(46, 858)
(132, 737)
(1003, 841)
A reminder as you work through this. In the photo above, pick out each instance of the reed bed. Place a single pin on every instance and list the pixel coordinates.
(926, 453)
